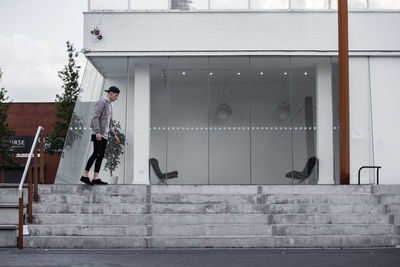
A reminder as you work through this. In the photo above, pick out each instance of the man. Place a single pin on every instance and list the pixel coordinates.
(101, 128)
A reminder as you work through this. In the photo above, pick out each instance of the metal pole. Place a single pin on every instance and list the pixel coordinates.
(41, 160)
(30, 219)
(344, 92)
(35, 175)
(21, 222)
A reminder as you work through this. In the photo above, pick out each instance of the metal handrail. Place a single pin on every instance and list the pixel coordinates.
(370, 167)
(28, 162)
(21, 193)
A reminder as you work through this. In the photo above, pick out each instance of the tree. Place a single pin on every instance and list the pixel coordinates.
(114, 150)
(6, 154)
(65, 102)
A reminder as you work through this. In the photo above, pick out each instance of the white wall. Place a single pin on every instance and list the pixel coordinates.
(238, 31)
(385, 93)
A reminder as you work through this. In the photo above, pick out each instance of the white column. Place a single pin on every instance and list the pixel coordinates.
(141, 138)
(361, 152)
(324, 122)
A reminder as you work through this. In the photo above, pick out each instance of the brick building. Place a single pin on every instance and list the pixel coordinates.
(24, 119)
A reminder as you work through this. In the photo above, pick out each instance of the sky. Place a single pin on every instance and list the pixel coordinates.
(33, 36)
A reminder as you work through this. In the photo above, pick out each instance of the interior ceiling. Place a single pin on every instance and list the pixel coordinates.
(196, 68)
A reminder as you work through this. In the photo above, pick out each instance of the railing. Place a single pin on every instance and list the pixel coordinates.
(370, 167)
(28, 170)
(193, 5)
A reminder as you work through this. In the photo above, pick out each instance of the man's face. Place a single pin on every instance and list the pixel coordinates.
(113, 96)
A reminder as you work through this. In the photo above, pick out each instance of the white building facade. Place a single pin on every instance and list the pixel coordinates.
(239, 92)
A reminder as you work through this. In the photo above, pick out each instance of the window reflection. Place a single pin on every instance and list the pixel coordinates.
(269, 4)
(109, 5)
(149, 4)
(229, 4)
(353, 4)
(384, 4)
(189, 4)
(309, 4)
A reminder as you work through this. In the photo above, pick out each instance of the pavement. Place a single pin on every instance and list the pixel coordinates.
(202, 257)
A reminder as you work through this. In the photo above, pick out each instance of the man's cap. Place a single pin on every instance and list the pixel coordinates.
(113, 89)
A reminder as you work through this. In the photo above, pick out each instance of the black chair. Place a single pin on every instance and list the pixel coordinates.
(308, 168)
(162, 176)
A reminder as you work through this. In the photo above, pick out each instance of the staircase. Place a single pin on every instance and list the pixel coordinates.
(9, 215)
(186, 216)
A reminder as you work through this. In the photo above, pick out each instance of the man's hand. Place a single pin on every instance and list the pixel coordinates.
(116, 139)
(98, 136)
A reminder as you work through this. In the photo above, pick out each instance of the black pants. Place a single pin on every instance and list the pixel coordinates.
(99, 147)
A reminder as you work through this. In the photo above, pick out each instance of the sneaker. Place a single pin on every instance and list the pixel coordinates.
(98, 181)
(86, 180)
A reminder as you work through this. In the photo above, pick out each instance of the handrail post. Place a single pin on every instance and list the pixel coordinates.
(28, 170)
(35, 175)
(41, 159)
(377, 175)
(371, 167)
(30, 219)
(21, 222)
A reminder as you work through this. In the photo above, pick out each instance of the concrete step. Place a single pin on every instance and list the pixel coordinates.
(10, 194)
(264, 209)
(334, 229)
(84, 242)
(261, 189)
(8, 236)
(262, 199)
(272, 230)
(87, 230)
(9, 213)
(386, 189)
(90, 208)
(212, 230)
(92, 198)
(326, 218)
(203, 198)
(343, 241)
(393, 208)
(90, 219)
(85, 189)
(389, 198)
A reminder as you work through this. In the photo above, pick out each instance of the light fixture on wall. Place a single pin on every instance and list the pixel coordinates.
(224, 111)
(283, 110)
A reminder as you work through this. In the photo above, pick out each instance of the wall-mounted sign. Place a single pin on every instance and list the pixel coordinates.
(21, 144)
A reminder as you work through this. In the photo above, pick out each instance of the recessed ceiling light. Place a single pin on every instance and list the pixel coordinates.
(183, 73)
(306, 73)
(238, 73)
(211, 73)
(285, 73)
(261, 73)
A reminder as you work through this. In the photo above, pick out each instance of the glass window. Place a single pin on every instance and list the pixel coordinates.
(271, 134)
(353, 4)
(187, 149)
(77, 144)
(189, 4)
(149, 4)
(269, 4)
(229, 121)
(108, 5)
(309, 4)
(384, 4)
(229, 4)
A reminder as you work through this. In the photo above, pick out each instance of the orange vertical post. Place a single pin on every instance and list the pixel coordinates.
(35, 175)
(41, 160)
(344, 92)
(30, 218)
